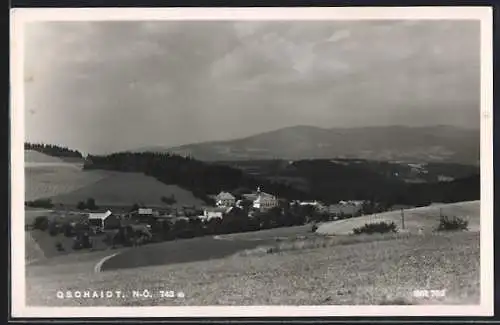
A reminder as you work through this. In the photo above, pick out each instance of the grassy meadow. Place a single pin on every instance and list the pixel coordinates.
(424, 219)
(363, 273)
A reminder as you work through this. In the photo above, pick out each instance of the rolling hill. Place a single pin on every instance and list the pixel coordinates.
(47, 176)
(120, 188)
(424, 218)
(422, 144)
(67, 183)
(32, 156)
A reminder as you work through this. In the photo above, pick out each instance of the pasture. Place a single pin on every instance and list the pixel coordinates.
(364, 273)
(50, 180)
(125, 189)
(67, 184)
(32, 156)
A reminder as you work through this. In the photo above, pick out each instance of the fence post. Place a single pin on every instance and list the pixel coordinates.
(402, 219)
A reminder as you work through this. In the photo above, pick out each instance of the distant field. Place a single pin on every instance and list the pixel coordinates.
(33, 156)
(66, 183)
(425, 218)
(127, 189)
(43, 181)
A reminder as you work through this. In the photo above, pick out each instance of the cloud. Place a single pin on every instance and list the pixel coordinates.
(103, 86)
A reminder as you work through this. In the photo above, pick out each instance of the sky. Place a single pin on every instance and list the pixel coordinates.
(101, 87)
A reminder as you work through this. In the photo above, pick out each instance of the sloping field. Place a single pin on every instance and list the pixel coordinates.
(43, 181)
(121, 189)
(368, 273)
(47, 176)
(67, 183)
(425, 219)
(32, 156)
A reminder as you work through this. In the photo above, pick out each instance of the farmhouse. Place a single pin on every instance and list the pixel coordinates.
(104, 220)
(210, 213)
(225, 199)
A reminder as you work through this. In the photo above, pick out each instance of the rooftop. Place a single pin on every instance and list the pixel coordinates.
(225, 196)
(102, 215)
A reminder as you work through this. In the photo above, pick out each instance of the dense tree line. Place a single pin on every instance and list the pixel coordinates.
(52, 150)
(40, 203)
(375, 181)
(327, 182)
(202, 179)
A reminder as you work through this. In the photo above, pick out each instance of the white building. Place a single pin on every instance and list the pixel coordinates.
(104, 220)
(225, 199)
(145, 211)
(263, 201)
(211, 213)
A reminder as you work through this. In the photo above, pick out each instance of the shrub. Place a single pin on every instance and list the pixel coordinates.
(40, 203)
(41, 223)
(456, 223)
(90, 204)
(53, 229)
(134, 207)
(59, 247)
(377, 227)
(169, 200)
(69, 230)
(81, 205)
(314, 228)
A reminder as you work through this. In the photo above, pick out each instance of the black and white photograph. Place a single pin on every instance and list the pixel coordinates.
(289, 162)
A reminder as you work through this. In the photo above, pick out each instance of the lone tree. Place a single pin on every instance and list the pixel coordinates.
(134, 207)
(81, 205)
(169, 200)
(90, 204)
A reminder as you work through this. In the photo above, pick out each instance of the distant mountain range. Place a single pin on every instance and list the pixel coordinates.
(390, 143)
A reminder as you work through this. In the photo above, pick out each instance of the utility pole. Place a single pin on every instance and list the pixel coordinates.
(402, 219)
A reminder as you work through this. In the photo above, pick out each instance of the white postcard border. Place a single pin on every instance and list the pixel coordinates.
(22, 16)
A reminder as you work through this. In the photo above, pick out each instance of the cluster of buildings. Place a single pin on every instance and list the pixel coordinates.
(225, 204)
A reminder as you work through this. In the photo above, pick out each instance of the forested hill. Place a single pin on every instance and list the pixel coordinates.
(53, 150)
(200, 178)
(327, 182)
